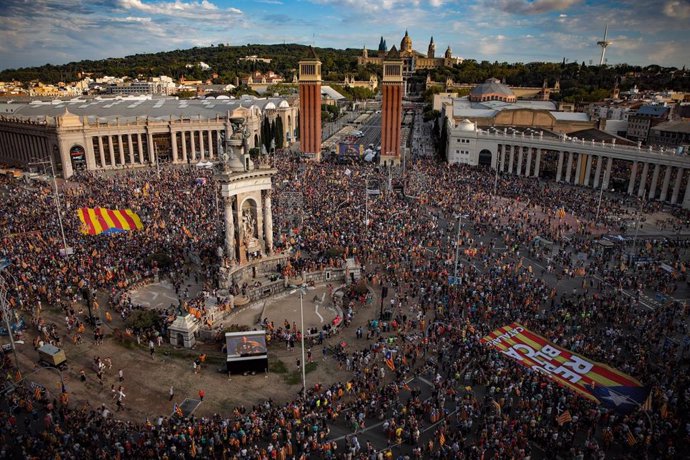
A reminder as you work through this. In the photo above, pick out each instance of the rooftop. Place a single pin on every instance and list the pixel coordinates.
(491, 86)
(599, 135)
(678, 126)
(126, 108)
(331, 93)
(652, 110)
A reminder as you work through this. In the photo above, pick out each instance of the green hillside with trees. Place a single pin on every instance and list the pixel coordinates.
(224, 60)
(579, 82)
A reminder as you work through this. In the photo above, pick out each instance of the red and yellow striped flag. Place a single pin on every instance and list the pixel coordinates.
(99, 220)
(390, 363)
(564, 418)
(566, 368)
(631, 439)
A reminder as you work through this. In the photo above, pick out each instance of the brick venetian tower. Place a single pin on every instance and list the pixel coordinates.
(391, 107)
(310, 105)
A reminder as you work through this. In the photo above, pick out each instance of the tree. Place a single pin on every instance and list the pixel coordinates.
(273, 134)
(266, 133)
(280, 133)
(297, 120)
(443, 141)
(143, 319)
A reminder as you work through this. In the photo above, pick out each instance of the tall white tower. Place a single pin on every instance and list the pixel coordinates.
(604, 43)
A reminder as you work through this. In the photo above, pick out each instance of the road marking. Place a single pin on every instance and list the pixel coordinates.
(316, 310)
(425, 381)
(644, 304)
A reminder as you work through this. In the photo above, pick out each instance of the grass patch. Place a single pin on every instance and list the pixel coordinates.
(295, 377)
(276, 366)
(128, 344)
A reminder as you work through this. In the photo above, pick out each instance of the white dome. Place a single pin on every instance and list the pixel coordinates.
(466, 125)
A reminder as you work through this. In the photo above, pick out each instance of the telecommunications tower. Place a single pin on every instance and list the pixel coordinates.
(604, 44)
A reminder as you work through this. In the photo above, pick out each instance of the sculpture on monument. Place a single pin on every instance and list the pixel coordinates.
(249, 230)
(230, 154)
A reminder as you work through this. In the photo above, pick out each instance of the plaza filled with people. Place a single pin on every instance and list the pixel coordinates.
(456, 261)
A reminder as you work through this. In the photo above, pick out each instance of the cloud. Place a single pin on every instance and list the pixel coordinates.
(532, 7)
(33, 32)
(189, 10)
(132, 19)
(371, 6)
(677, 9)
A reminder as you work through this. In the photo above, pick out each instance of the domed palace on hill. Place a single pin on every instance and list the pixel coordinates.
(412, 60)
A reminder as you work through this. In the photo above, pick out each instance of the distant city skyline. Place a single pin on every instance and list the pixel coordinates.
(38, 32)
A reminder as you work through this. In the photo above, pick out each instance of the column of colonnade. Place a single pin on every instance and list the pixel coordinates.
(118, 149)
(579, 168)
(513, 159)
(19, 147)
(665, 183)
(195, 145)
(653, 192)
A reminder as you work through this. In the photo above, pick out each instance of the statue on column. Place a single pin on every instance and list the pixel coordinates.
(231, 152)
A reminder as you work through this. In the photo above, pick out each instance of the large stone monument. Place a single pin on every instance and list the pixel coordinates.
(246, 192)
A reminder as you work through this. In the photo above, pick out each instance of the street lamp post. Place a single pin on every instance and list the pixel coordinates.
(155, 153)
(304, 364)
(601, 194)
(457, 248)
(302, 291)
(637, 229)
(366, 202)
(57, 203)
(6, 314)
(496, 178)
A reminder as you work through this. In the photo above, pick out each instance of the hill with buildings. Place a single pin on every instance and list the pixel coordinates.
(220, 63)
(223, 64)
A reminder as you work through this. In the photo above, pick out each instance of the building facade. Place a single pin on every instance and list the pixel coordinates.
(647, 116)
(495, 104)
(671, 134)
(652, 174)
(412, 60)
(125, 133)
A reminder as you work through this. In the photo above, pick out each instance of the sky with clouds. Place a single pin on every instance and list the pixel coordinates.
(36, 32)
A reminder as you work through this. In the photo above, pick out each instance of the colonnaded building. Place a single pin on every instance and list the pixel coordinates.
(100, 134)
(588, 158)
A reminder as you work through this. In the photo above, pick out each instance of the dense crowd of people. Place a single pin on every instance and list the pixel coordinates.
(516, 252)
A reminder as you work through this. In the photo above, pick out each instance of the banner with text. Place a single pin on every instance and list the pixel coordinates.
(566, 368)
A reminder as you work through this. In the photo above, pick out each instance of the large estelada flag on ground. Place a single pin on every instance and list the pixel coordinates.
(101, 220)
(595, 381)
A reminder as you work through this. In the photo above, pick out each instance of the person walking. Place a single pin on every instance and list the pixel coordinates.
(120, 398)
(202, 393)
(121, 375)
(152, 349)
(171, 393)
